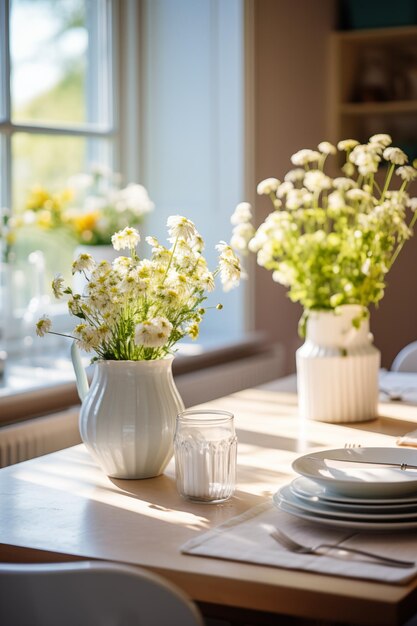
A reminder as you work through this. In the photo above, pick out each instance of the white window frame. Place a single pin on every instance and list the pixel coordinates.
(107, 131)
(104, 32)
(128, 110)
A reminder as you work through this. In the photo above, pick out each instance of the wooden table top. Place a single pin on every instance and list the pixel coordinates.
(62, 506)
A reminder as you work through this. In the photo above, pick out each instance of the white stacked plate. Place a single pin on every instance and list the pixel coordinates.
(361, 488)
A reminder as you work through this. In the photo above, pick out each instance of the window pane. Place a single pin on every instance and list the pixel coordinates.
(47, 162)
(4, 78)
(3, 172)
(56, 56)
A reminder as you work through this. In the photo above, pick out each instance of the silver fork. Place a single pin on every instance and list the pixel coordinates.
(325, 549)
(394, 396)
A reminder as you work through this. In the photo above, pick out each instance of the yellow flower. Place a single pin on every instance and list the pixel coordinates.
(85, 221)
(65, 196)
(38, 196)
(44, 219)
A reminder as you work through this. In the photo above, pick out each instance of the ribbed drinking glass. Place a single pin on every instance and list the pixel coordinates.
(205, 446)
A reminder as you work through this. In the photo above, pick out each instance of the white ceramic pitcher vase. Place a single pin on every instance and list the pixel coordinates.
(127, 417)
(337, 368)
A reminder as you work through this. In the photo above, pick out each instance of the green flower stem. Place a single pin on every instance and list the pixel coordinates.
(170, 260)
(371, 182)
(401, 244)
(377, 187)
(274, 200)
(387, 181)
(52, 332)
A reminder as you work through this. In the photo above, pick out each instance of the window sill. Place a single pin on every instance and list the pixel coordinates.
(37, 386)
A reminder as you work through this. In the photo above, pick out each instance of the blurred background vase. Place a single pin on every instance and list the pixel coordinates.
(337, 367)
(22, 300)
(99, 253)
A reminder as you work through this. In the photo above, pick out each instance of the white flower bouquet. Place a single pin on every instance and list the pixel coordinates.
(332, 241)
(138, 309)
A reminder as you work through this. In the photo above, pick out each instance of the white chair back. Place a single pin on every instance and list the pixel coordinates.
(90, 593)
(406, 359)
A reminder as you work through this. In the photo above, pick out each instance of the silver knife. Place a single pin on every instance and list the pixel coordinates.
(401, 466)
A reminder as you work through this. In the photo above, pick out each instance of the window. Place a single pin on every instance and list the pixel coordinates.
(193, 141)
(57, 81)
(154, 89)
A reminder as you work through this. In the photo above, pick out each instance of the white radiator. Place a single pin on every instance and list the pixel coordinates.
(42, 435)
(38, 436)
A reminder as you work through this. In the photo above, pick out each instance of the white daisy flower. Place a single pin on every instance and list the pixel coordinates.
(126, 239)
(304, 157)
(412, 203)
(230, 268)
(357, 195)
(43, 326)
(181, 227)
(395, 155)
(327, 148)
(242, 213)
(84, 263)
(336, 200)
(366, 159)
(285, 187)
(87, 337)
(316, 181)
(153, 333)
(347, 144)
(381, 139)
(207, 281)
(407, 172)
(343, 183)
(296, 198)
(57, 286)
(294, 176)
(269, 185)
(242, 233)
(162, 324)
(152, 241)
(133, 198)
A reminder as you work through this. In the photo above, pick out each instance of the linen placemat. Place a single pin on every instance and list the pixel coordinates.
(247, 538)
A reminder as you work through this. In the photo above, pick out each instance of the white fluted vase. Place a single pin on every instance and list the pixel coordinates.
(337, 368)
(127, 417)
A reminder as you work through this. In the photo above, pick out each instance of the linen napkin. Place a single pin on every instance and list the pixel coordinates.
(398, 387)
(404, 389)
(410, 439)
(247, 538)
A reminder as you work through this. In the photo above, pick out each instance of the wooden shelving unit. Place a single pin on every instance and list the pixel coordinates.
(373, 85)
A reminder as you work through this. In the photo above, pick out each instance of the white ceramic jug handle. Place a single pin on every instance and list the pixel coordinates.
(80, 375)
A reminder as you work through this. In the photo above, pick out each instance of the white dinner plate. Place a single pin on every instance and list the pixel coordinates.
(309, 490)
(286, 495)
(339, 471)
(331, 521)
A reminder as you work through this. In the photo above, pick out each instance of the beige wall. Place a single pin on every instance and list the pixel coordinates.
(290, 93)
(291, 56)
